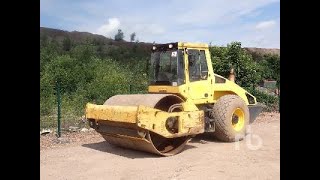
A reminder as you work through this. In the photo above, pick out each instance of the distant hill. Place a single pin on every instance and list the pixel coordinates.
(78, 37)
(259, 52)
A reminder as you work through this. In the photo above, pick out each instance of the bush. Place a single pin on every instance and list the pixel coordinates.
(233, 56)
(271, 102)
(270, 66)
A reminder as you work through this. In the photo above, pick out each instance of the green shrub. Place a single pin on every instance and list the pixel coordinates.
(271, 102)
(233, 56)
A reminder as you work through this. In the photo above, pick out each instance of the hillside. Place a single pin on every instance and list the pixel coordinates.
(79, 37)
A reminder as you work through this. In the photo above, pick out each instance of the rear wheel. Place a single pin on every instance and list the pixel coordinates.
(231, 116)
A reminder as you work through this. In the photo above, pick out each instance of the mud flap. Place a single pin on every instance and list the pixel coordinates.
(254, 111)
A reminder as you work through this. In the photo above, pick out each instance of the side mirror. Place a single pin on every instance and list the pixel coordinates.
(186, 50)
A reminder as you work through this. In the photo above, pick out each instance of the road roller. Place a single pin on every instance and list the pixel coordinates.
(185, 98)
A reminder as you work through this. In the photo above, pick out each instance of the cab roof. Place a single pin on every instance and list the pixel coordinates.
(176, 45)
(192, 45)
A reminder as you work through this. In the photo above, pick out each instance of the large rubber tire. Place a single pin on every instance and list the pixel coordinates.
(224, 113)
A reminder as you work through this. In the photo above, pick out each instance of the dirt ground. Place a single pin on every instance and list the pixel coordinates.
(85, 155)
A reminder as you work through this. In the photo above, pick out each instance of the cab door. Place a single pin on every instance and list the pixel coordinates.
(199, 83)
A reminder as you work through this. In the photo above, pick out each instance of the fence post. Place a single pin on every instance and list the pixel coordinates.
(130, 88)
(59, 107)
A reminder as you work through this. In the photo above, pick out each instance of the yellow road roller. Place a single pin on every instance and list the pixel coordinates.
(185, 98)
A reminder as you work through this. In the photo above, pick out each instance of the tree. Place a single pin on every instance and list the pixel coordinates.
(66, 44)
(233, 56)
(270, 66)
(43, 40)
(119, 36)
(132, 37)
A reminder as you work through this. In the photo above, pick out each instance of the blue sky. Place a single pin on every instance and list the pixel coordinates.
(255, 23)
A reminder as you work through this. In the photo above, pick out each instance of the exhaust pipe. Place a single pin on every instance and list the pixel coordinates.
(232, 76)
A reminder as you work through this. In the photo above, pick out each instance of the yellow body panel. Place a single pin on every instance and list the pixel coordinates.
(126, 114)
(230, 87)
(189, 123)
(182, 90)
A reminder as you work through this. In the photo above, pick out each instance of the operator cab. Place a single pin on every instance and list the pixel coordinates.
(167, 65)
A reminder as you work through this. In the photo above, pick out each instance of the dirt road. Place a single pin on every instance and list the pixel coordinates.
(88, 156)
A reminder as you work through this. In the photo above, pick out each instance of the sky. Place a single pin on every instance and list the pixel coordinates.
(255, 23)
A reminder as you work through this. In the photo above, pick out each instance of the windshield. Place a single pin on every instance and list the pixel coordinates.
(167, 68)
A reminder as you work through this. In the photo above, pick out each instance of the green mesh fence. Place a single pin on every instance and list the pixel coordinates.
(72, 107)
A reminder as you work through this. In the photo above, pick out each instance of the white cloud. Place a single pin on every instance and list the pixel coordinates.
(153, 29)
(110, 28)
(265, 25)
(144, 31)
(265, 34)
